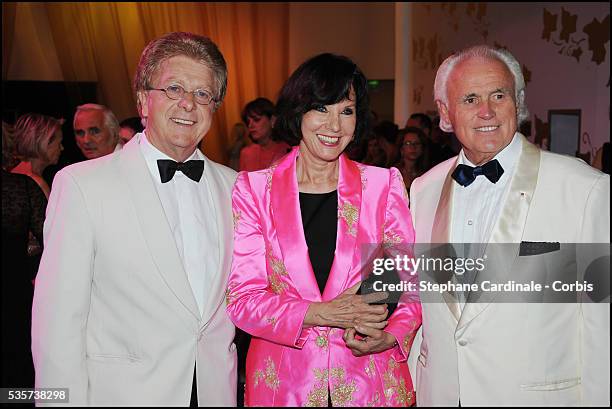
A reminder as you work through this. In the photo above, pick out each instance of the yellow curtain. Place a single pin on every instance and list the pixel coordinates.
(9, 11)
(102, 41)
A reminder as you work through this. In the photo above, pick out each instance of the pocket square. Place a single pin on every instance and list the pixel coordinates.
(533, 248)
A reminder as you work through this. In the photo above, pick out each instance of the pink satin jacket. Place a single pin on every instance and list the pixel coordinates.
(272, 283)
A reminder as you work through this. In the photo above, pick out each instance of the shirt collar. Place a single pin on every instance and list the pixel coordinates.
(152, 154)
(507, 157)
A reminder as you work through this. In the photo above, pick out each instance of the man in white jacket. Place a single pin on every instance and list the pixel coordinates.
(501, 190)
(128, 306)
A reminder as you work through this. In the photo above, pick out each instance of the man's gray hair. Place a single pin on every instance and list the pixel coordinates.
(483, 51)
(110, 120)
(197, 47)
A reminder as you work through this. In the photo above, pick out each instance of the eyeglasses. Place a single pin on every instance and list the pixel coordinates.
(200, 96)
(408, 143)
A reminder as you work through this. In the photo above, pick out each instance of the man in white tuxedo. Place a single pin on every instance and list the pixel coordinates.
(129, 300)
(503, 189)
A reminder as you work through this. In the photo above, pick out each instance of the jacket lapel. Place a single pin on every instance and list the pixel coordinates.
(440, 234)
(287, 219)
(508, 231)
(349, 206)
(154, 224)
(222, 213)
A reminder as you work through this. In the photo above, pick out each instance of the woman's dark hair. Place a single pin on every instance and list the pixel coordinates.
(387, 130)
(134, 123)
(325, 79)
(260, 106)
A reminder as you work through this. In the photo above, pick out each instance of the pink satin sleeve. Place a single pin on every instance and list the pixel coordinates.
(251, 303)
(406, 319)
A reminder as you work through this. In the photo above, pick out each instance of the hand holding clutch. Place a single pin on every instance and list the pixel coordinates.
(363, 340)
(348, 310)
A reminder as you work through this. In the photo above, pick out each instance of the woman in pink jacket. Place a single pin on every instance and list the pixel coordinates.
(302, 230)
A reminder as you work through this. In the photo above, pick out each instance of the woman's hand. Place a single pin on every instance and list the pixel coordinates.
(375, 340)
(348, 310)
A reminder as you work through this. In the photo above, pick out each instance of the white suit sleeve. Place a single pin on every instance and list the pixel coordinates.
(62, 292)
(595, 331)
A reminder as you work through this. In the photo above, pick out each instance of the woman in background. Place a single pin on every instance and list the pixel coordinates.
(413, 154)
(23, 211)
(38, 144)
(258, 115)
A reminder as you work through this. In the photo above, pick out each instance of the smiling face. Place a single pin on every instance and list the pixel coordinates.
(481, 107)
(327, 130)
(176, 127)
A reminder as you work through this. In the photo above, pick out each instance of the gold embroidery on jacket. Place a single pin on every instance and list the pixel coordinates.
(370, 370)
(350, 214)
(236, 215)
(391, 238)
(270, 376)
(364, 179)
(317, 397)
(389, 380)
(229, 296)
(400, 179)
(271, 320)
(322, 341)
(404, 396)
(376, 401)
(276, 284)
(409, 338)
(269, 173)
(393, 386)
(342, 392)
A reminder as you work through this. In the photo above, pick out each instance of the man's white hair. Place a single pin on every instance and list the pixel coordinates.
(110, 120)
(482, 51)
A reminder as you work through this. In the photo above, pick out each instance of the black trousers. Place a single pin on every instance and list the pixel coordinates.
(194, 391)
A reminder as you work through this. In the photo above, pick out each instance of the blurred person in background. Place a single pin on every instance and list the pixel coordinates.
(414, 154)
(23, 213)
(440, 148)
(385, 133)
(96, 130)
(374, 154)
(38, 144)
(258, 115)
(130, 127)
(422, 121)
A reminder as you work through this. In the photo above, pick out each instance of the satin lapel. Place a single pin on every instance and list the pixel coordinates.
(440, 233)
(349, 206)
(287, 218)
(154, 225)
(508, 232)
(222, 209)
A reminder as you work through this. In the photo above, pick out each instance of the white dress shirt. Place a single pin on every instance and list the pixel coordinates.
(189, 210)
(477, 207)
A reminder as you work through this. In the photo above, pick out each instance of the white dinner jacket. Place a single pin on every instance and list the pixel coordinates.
(517, 354)
(114, 316)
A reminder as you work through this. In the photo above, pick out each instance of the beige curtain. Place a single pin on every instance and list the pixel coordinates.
(102, 41)
(9, 12)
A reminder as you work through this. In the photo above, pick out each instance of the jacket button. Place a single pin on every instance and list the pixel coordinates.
(462, 342)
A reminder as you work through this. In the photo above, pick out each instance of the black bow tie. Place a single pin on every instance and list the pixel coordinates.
(193, 169)
(465, 175)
